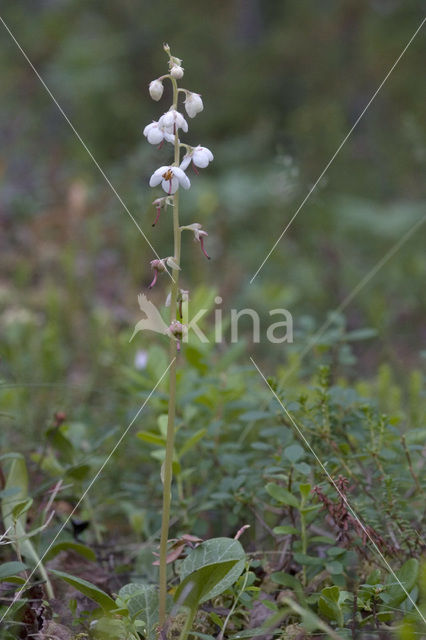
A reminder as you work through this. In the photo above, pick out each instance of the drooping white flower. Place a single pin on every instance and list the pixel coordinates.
(193, 104)
(156, 89)
(155, 133)
(172, 120)
(170, 179)
(176, 71)
(200, 156)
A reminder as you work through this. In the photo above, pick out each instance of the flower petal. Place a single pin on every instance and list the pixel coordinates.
(201, 159)
(155, 135)
(170, 186)
(186, 162)
(157, 176)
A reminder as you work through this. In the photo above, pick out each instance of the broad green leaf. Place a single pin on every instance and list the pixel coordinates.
(282, 495)
(303, 558)
(79, 548)
(294, 452)
(328, 605)
(109, 628)
(407, 576)
(208, 570)
(334, 567)
(9, 569)
(88, 589)
(203, 584)
(142, 603)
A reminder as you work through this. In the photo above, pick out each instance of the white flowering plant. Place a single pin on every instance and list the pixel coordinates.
(202, 574)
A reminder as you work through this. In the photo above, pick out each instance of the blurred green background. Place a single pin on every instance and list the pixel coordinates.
(282, 83)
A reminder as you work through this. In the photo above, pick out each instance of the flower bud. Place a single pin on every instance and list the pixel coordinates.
(177, 330)
(157, 266)
(159, 203)
(193, 104)
(176, 71)
(156, 89)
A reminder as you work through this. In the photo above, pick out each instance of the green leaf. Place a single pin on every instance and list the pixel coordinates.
(287, 580)
(282, 495)
(78, 472)
(151, 438)
(305, 490)
(407, 576)
(208, 570)
(17, 478)
(61, 443)
(88, 589)
(191, 442)
(328, 605)
(79, 548)
(9, 569)
(286, 530)
(142, 603)
(303, 558)
(109, 628)
(21, 507)
(294, 452)
(334, 567)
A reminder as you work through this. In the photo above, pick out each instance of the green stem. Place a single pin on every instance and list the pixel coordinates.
(303, 538)
(168, 461)
(188, 624)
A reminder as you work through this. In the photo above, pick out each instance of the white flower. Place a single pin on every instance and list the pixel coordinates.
(155, 133)
(200, 156)
(176, 71)
(156, 89)
(173, 119)
(193, 104)
(170, 179)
